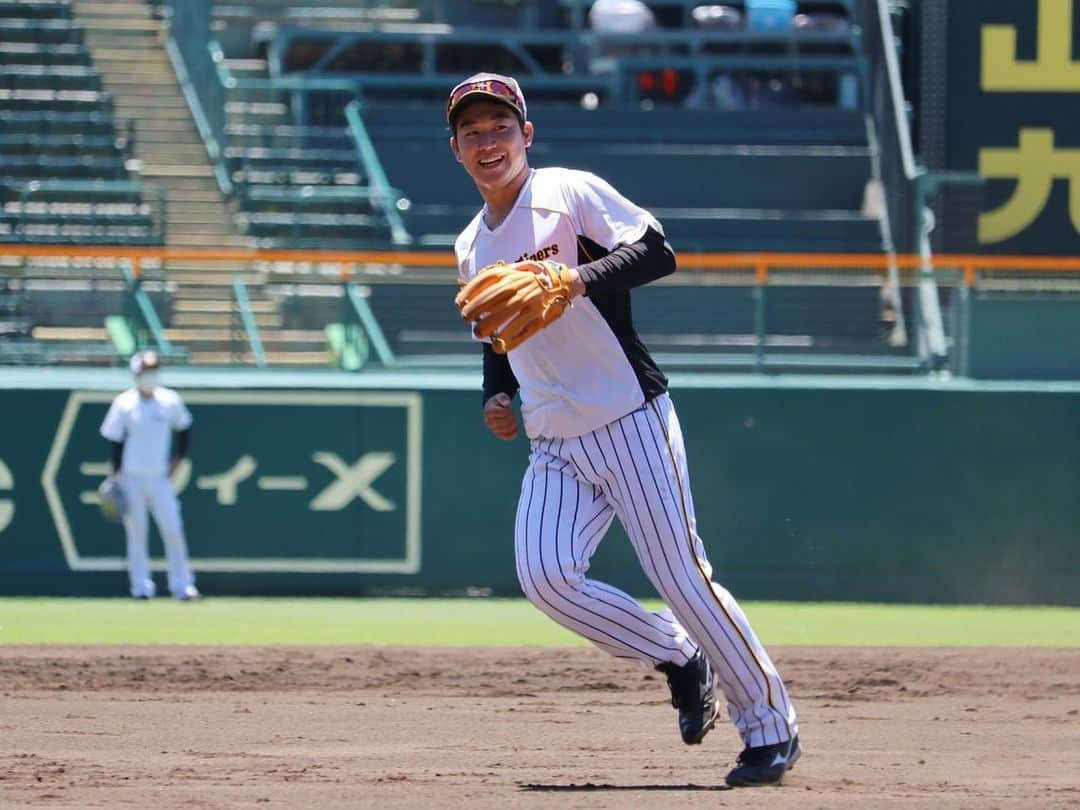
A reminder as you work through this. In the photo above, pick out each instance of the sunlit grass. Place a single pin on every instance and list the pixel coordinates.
(497, 622)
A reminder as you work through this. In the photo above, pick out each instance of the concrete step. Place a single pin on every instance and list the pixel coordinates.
(200, 292)
(188, 200)
(174, 183)
(195, 225)
(171, 110)
(60, 333)
(193, 221)
(127, 72)
(126, 53)
(155, 147)
(119, 26)
(273, 358)
(159, 130)
(220, 225)
(211, 223)
(188, 217)
(302, 339)
(219, 306)
(180, 172)
(132, 8)
(184, 198)
(170, 180)
(220, 320)
(166, 131)
(152, 135)
(221, 282)
(209, 266)
(139, 64)
(183, 236)
(200, 241)
(144, 99)
(187, 236)
(126, 41)
(138, 104)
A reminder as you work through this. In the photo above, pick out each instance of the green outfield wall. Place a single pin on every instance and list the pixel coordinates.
(806, 488)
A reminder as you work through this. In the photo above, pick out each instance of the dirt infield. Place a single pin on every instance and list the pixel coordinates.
(234, 727)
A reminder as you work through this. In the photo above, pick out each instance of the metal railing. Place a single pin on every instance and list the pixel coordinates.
(905, 222)
(360, 312)
(187, 44)
(606, 64)
(387, 198)
(247, 319)
(140, 312)
(211, 88)
(963, 274)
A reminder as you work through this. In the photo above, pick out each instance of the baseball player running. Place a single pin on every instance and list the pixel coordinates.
(604, 437)
(139, 425)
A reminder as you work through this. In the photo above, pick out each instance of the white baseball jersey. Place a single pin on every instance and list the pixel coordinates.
(604, 371)
(145, 426)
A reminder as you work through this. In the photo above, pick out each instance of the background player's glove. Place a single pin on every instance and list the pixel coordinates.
(510, 303)
(111, 499)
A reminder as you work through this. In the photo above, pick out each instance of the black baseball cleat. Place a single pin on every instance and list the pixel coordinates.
(765, 764)
(693, 693)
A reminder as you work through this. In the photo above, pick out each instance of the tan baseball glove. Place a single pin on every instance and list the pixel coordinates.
(111, 500)
(510, 303)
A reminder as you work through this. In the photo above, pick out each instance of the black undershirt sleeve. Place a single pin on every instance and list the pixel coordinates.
(629, 266)
(116, 455)
(183, 443)
(498, 376)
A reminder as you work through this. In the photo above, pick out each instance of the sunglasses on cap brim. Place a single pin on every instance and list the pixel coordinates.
(499, 90)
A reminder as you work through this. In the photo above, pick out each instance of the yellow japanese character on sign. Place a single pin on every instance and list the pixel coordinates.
(1034, 165)
(1052, 70)
(226, 483)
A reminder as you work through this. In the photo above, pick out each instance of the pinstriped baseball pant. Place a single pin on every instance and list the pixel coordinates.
(635, 469)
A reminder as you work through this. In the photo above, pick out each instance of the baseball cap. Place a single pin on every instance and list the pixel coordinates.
(145, 361)
(493, 86)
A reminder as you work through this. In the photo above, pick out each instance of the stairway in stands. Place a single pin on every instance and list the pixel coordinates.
(127, 45)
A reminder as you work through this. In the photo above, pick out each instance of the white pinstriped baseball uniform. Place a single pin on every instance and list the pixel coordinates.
(606, 443)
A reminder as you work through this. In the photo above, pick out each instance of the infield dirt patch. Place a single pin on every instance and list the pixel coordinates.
(310, 727)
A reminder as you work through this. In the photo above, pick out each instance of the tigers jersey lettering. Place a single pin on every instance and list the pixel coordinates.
(557, 213)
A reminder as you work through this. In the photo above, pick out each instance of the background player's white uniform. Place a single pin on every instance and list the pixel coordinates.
(606, 443)
(145, 426)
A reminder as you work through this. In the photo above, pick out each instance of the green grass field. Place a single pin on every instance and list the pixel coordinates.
(498, 622)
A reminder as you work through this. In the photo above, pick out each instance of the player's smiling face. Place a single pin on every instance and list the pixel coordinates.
(490, 143)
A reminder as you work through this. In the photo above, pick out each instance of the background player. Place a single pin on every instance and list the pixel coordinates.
(605, 440)
(140, 424)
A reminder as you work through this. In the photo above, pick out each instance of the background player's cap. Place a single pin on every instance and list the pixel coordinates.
(145, 361)
(493, 86)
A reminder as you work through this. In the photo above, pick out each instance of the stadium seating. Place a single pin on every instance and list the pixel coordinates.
(299, 186)
(711, 189)
(784, 153)
(14, 324)
(65, 171)
(737, 140)
(689, 326)
(66, 177)
(786, 177)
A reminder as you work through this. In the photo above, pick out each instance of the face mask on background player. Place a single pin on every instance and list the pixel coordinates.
(146, 381)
